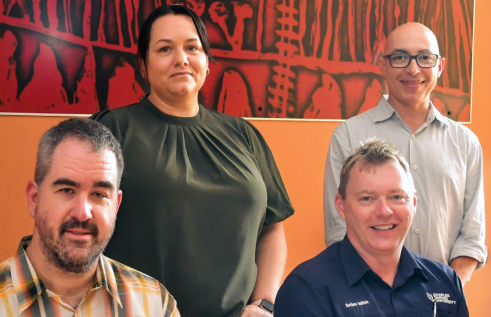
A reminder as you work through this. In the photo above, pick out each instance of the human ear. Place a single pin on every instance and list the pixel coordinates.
(143, 68)
(339, 203)
(32, 194)
(120, 198)
(381, 65)
(441, 66)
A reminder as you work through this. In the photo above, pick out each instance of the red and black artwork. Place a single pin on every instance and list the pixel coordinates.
(287, 59)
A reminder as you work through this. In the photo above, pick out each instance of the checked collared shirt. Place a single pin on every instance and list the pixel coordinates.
(117, 290)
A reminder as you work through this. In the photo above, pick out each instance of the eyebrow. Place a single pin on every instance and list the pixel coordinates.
(170, 41)
(65, 182)
(364, 192)
(423, 51)
(398, 190)
(68, 182)
(104, 184)
(371, 192)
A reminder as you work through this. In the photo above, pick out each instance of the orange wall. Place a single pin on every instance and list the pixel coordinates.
(300, 149)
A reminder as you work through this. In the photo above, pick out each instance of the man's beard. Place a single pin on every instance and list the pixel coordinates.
(60, 255)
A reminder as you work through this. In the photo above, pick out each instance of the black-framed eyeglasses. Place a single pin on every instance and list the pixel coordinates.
(402, 60)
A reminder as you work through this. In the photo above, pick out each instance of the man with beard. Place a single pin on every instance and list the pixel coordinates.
(74, 199)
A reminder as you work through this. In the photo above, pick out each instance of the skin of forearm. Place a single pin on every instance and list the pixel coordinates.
(464, 267)
(271, 253)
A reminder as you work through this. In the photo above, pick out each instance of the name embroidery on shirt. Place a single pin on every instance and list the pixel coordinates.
(363, 302)
(441, 298)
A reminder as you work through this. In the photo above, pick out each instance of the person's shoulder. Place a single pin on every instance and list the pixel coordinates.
(8, 287)
(222, 117)
(6, 281)
(321, 266)
(466, 138)
(128, 275)
(362, 120)
(134, 280)
(434, 270)
(117, 113)
(453, 125)
(227, 121)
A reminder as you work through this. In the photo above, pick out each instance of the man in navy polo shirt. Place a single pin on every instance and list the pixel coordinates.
(370, 272)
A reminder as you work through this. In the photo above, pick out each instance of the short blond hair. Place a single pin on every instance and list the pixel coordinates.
(373, 152)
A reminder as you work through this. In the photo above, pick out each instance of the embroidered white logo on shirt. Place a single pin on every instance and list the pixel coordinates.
(363, 302)
(440, 298)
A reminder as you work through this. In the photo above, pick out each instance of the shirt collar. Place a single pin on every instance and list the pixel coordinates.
(355, 267)
(105, 277)
(408, 266)
(435, 114)
(384, 111)
(29, 286)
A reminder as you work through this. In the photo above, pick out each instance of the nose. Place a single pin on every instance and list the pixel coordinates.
(413, 67)
(81, 209)
(180, 58)
(383, 209)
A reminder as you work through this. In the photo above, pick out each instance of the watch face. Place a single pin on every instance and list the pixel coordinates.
(266, 304)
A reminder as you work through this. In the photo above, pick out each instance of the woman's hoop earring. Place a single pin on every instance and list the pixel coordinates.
(207, 71)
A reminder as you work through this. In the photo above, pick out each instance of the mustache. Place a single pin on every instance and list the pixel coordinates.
(74, 223)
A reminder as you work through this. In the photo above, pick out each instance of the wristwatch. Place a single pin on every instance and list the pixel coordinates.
(264, 304)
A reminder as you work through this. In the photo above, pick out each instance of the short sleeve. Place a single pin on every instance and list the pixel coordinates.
(279, 206)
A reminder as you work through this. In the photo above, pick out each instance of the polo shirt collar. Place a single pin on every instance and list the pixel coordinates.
(355, 267)
(28, 286)
(384, 111)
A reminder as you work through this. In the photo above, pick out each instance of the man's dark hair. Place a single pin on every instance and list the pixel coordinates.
(81, 129)
(144, 38)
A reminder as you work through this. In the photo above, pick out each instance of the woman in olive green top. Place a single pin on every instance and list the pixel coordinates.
(203, 198)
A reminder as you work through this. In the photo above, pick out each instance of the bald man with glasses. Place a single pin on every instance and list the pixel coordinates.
(444, 156)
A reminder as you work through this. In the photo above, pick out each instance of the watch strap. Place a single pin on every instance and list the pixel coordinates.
(264, 304)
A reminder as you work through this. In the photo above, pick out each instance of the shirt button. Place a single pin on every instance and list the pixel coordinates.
(414, 136)
(415, 167)
(416, 231)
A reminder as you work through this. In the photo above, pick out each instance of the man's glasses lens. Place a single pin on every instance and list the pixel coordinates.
(403, 60)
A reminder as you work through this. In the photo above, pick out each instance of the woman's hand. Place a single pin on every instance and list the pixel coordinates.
(255, 311)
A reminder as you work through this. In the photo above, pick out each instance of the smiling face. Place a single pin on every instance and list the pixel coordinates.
(176, 63)
(411, 86)
(75, 207)
(378, 209)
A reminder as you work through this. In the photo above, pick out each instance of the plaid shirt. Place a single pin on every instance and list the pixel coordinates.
(117, 291)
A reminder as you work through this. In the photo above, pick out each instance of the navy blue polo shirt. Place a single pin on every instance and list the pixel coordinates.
(338, 282)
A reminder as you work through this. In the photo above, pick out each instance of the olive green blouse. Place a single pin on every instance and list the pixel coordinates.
(196, 193)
